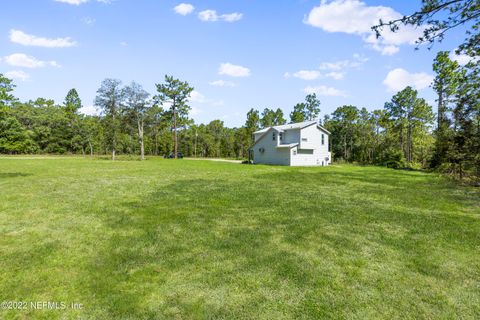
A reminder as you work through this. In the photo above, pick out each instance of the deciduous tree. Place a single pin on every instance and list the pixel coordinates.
(299, 113)
(272, 117)
(108, 100)
(136, 106)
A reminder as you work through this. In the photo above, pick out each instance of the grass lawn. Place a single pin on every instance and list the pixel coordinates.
(185, 239)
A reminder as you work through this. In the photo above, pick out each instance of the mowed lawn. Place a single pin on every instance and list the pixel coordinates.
(166, 239)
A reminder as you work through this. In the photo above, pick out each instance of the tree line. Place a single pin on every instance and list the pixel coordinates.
(456, 147)
(406, 132)
(131, 121)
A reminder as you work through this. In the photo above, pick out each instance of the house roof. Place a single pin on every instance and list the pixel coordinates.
(290, 145)
(262, 130)
(292, 126)
(285, 127)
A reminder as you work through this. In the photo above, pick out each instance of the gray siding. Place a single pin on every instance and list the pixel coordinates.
(311, 152)
(272, 154)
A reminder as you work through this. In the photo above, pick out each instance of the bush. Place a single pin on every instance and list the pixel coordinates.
(393, 158)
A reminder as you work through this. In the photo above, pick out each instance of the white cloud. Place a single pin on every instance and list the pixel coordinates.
(325, 91)
(22, 38)
(222, 83)
(314, 74)
(307, 74)
(398, 79)
(124, 44)
(335, 75)
(334, 70)
(387, 50)
(231, 17)
(196, 96)
(232, 70)
(212, 16)
(195, 111)
(462, 59)
(355, 17)
(22, 60)
(356, 62)
(184, 9)
(333, 65)
(89, 110)
(208, 15)
(17, 74)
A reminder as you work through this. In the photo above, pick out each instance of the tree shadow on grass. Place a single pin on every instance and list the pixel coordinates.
(409, 187)
(168, 251)
(221, 249)
(4, 175)
(23, 276)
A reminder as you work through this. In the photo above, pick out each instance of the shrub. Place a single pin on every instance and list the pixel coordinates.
(393, 158)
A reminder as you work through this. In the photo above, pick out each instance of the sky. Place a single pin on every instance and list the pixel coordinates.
(236, 54)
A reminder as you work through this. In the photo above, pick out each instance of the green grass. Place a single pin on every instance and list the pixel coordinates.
(184, 239)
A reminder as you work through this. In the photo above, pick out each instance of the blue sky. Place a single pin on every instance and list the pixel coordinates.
(237, 54)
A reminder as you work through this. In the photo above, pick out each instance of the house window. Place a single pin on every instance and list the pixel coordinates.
(305, 151)
(280, 135)
(274, 136)
(304, 139)
(323, 139)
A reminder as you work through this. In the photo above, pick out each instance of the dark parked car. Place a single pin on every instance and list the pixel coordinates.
(171, 156)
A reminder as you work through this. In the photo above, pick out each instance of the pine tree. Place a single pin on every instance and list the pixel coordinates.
(408, 114)
(175, 93)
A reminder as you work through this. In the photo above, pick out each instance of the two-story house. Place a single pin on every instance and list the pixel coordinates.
(295, 144)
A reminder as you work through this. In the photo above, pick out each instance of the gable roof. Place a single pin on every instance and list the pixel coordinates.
(263, 132)
(288, 145)
(292, 126)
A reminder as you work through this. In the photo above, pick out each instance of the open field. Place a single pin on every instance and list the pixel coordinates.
(201, 239)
